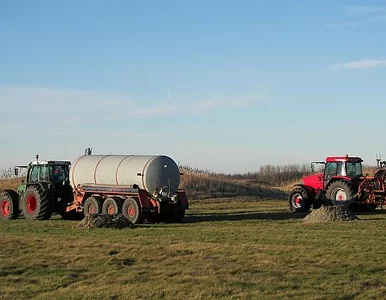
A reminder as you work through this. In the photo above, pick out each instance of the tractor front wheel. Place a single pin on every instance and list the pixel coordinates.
(37, 203)
(299, 200)
(340, 193)
(9, 205)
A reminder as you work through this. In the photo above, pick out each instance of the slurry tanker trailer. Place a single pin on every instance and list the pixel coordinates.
(141, 187)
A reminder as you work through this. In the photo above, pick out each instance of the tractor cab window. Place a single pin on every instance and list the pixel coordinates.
(39, 173)
(334, 169)
(58, 174)
(331, 169)
(354, 169)
(341, 169)
(44, 173)
(34, 175)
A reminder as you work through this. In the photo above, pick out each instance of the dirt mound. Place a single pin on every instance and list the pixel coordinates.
(329, 214)
(116, 221)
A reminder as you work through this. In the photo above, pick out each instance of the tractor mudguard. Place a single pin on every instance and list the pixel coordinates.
(311, 193)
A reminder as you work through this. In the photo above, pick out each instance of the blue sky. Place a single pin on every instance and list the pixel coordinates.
(227, 86)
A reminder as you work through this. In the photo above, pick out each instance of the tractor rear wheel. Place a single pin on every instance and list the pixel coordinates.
(132, 211)
(299, 200)
(340, 193)
(112, 206)
(9, 205)
(37, 203)
(92, 205)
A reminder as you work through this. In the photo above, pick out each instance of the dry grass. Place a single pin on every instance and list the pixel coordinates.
(10, 183)
(202, 186)
(227, 249)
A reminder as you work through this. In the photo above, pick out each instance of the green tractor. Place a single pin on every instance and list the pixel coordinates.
(46, 191)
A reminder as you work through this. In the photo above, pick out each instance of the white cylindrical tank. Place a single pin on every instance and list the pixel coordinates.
(145, 171)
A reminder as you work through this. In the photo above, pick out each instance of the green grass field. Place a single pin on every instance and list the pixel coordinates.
(225, 249)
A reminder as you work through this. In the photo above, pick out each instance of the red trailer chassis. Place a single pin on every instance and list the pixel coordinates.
(170, 207)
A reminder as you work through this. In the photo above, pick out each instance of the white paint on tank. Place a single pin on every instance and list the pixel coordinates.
(148, 172)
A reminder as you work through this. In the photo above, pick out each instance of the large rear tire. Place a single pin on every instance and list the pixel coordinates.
(92, 205)
(132, 211)
(9, 205)
(340, 193)
(299, 200)
(37, 203)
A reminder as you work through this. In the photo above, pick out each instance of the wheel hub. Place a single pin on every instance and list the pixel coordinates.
(297, 201)
(110, 210)
(31, 204)
(91, 209)
(341, 195)
(131, 211)
(5, 208)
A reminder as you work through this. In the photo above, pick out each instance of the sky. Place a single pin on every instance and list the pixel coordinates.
(220, 85)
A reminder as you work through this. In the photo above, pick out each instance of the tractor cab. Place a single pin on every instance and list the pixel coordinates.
(56, 172)
(51, 176)
(344, 167)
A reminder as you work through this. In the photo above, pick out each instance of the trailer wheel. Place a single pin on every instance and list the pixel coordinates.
(299, 200)
(131, 210)
(37, 203)
(339, 192)
(112, 206)
(9, 205)
(92, 205)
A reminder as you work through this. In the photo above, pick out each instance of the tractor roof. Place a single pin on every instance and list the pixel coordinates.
(344, 158)
(51, 162)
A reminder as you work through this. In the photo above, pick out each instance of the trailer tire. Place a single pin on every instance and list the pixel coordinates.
(37, 203)
(340, 193)
(92, 205)
(112, 206)
(132, 211)
(9, 205)
(299, 200)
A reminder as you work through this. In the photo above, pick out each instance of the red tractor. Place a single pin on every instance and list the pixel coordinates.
(340, 182)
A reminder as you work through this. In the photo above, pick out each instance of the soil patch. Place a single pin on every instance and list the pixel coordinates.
(116, 221)
(330, 214)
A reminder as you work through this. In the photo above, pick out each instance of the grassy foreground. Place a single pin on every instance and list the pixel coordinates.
(227, 249)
